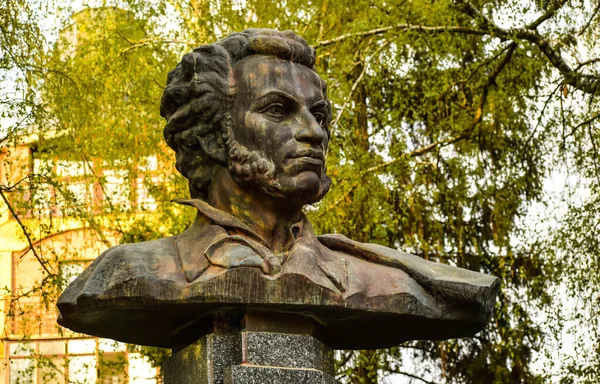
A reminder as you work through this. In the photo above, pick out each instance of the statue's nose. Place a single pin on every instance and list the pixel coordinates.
(310, 131)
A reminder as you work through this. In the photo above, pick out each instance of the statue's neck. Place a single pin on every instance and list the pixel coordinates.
(264, 214)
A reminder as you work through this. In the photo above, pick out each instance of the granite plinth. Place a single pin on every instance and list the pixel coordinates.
(204, 361)
(251, 357)
(282, 350)
(247, 374)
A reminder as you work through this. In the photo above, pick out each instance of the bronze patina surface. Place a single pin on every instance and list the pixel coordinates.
(248, 120)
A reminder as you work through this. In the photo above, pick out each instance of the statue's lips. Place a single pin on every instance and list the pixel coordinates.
(309, 160)
(310, 157)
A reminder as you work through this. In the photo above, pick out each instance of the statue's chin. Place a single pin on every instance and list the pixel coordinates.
(291, 192)
(304, 188)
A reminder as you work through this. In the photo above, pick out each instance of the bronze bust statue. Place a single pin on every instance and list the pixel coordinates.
(248, 120)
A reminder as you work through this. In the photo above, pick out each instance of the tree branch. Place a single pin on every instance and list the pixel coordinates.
(548, 14)
(347, 357)
(484, 63)
(401, 27)
(585, 83)
(122, 36)
(595, 150)
(482, 20)
(413, 376)
(10, 187)
(492, 80)
(588, 62)
(588, 121)
(90, 218)
(589, 22)
(354, 86)
(26, 233)
(375, 168)
(439, 143)
(541, 115)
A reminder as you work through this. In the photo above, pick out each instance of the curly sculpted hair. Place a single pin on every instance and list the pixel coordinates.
(198, 97)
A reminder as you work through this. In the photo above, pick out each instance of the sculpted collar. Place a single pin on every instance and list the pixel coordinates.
(227, 220)
(218, 241)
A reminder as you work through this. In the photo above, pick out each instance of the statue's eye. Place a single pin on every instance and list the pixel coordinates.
(275, 110)
(320, 117)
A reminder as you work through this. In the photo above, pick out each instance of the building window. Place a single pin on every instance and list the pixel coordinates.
(21, 371)
(112, 368)
(69, 270)
(77, 360)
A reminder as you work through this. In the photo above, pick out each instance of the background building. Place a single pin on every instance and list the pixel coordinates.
(35, 348)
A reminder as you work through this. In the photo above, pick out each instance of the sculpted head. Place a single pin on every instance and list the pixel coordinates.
(253, 104)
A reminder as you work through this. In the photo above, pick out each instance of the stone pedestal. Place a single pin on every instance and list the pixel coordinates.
(251, 357)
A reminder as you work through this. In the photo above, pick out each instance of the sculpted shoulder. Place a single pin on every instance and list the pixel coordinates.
(153, 261)
(453, 286)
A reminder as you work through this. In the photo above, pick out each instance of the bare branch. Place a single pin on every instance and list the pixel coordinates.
(26, 233)
(354, 86)
(401, 27)
(589, 22)
(397, 371)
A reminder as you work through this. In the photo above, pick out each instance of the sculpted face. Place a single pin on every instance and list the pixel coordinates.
(279, 115)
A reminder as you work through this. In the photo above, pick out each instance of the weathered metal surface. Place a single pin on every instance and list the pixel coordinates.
(248, 119)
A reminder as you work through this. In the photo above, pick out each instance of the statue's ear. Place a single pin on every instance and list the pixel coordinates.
(213, 145)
